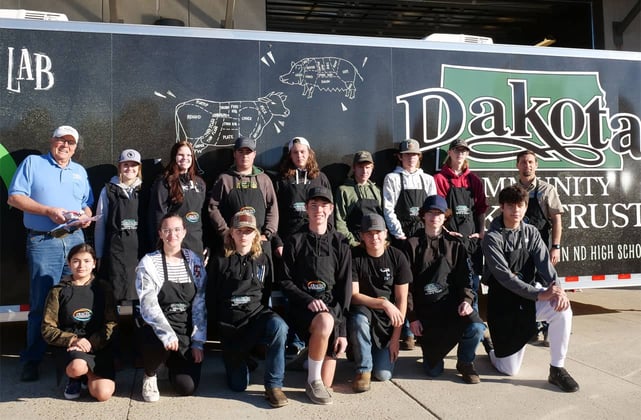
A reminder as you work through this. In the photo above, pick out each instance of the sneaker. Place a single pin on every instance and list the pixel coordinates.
(362, 382)
(561, 378)
(72, 390)
(29, 372)
(150, 388)
(408, 343)
(488, 345)
(276, 397)
(83, 382)
(317, 392)
(468, 372)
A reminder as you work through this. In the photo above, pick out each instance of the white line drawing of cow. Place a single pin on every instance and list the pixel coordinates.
(207, 123)
(329, 74)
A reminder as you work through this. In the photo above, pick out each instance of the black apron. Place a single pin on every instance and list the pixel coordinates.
(435, 304)
(461, 201)
(122, 242)
(512, 319)
(407, 208)
(316, 276)
(246, 195)
(362, 207)
(293, 215)
(239, 291)
(535, 216)
(383, 282)
(175, 301)
(191, 211)
(81, 309)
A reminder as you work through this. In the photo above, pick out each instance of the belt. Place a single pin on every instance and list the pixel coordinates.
(38, 232)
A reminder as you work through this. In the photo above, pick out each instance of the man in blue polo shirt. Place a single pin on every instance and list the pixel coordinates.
(51, 190)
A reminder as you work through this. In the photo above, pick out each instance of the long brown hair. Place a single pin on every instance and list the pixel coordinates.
(172, 172)
(288, 169)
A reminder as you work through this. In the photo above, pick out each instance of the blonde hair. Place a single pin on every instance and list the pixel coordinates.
(230, 246)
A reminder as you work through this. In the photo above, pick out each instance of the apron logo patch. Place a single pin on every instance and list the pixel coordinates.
(414, 211)
(239, 300)
(316, 286)
(248, 209)
(82, 315)
(192, 217)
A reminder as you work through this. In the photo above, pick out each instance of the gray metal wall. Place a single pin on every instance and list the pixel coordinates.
(249, 14)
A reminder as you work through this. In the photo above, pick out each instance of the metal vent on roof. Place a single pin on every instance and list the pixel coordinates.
(31, 15)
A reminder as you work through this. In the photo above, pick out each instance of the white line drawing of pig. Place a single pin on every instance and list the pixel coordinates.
(329, 74)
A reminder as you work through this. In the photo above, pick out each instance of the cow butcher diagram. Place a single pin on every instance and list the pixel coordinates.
(329, 74)
(207, 123)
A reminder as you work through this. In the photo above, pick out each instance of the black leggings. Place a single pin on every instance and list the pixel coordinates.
(184, 373)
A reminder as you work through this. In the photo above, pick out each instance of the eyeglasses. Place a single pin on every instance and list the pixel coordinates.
(67, 141)
(175, 230)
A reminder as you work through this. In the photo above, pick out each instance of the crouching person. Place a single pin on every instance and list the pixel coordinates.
(317, 280)
(79, 320)
(516, 260)
(440, 304)
(171, 284)
(380, 278)
(240, 284)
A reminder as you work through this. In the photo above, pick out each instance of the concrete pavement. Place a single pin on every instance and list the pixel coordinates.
(604, 358)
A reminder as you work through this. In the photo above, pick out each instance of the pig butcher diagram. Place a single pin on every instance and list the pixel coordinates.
(329, 74)
(207, 123)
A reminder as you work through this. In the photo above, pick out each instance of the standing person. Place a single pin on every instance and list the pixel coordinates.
(79, 320)
(404, 191)
(356, 197)
(523, 288)
(318, 282)
(299, 172)
(171, 287)
(463, 191)
(465, 197)
(380, 276)
(544, 212)
(179, 190)
(245, 187)
(441, 295)
(50, 190)
(544, 208)
(117, 235)
(241, 283)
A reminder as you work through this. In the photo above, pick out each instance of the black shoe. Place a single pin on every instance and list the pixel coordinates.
(30, 372)
(298, 362)
(561, 378)
(487, 342)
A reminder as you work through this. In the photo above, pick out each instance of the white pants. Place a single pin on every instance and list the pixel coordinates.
(558, 335)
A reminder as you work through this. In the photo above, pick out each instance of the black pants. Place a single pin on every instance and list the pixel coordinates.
(184, 373)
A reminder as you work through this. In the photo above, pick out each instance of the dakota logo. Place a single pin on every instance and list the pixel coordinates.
(316, 286)
(82, 315)
(561, 116)
(192, 217)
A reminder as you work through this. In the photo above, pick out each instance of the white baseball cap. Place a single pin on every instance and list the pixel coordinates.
(66, 130)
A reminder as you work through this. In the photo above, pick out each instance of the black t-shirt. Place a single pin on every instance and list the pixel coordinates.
(377, 276)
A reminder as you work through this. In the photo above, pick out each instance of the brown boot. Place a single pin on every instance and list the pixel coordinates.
(468, 372)
(276, 397)
(362, 382)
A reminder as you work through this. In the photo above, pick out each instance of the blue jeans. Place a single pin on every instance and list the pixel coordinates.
(47, 261)
(473, 334)
(367, 356)
(268, 329)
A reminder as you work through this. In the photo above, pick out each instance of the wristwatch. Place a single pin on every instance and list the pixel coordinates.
(556, 246)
